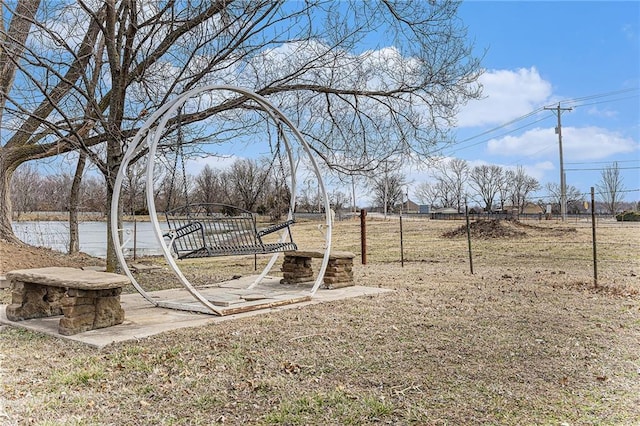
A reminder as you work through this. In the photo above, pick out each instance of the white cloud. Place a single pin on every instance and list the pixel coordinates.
(539, 171)
(507, 95)
(533, 143)
(595, 143)
(578, 144)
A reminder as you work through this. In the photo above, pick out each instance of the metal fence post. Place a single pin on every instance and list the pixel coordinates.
(401, 241)
(466, 213)
(593, 232)
(363, 235)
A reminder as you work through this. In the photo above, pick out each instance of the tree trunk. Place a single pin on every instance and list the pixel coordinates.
(74, 201)
(113, 165)
(112, 262)
(6, 230)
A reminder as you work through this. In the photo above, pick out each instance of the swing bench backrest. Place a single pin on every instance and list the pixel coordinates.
(211, 229)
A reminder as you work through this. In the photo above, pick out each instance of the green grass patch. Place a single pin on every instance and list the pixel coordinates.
(333, 406)
(80, 377)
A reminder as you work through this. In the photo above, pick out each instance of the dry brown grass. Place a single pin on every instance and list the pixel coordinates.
(526, 339)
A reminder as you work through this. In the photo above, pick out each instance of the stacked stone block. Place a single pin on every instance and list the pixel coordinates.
(30, 300)
(339, 271)
(86, 310)
(297, 268)
(87, 299)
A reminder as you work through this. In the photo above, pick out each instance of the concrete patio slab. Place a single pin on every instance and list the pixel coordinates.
(142, 319)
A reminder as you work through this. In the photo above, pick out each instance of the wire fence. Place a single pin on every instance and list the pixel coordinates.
(495, 246)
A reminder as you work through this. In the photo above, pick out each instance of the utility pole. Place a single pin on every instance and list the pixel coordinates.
(353, 192)
(563, 183)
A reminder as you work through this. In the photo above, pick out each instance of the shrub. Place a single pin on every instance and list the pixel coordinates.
(628, 217)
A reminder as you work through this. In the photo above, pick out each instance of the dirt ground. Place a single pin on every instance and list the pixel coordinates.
(24, 257)
(526, 339)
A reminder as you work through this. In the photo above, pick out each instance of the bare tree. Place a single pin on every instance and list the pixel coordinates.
(487, 181)
(611, 188)
(575, 200)
(274, 198)
(55, 195)
(207, 186)
(25, 189)
(12, 40)
(308, 196)
(389, 187)
(518, 185)
(174, 190)
(427, 193)
(32, 191)
(447, 196)
(352, 102)
(573, 194)
(94, 194)
(305, 200)
(339, 200)
(133, 188)
(452, 176)
(245, 181)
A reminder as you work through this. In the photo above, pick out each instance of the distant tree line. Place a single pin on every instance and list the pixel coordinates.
(494, 188)
(255, 185)
(35, 191)
(262, 186)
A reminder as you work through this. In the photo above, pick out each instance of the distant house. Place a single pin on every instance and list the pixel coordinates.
(410, 207)
(532, 208)
(529, 208)
(445, 213)
(447, 210)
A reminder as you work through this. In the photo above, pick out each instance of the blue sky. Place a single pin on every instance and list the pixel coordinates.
(581, 55)
(536, 54)
(584, 55)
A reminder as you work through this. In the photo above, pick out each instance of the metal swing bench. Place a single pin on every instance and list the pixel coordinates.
(212, 229)
(209, 229)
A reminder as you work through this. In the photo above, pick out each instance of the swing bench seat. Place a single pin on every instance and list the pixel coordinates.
(210, 230)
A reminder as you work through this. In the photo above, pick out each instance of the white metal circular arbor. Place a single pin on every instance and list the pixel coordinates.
(148, 137)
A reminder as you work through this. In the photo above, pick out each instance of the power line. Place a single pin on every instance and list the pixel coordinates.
(599, 95)
(457, 146)
(603, 102)
(536, 111)
(554, 197)
(497, 136)
(515, 120)
(600, 169)
(606, 162)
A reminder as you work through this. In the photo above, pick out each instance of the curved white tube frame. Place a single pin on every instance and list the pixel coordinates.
(149, 135)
